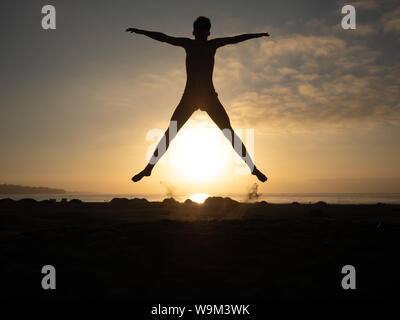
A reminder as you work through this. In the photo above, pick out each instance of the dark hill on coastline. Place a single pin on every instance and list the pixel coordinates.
(15, 189)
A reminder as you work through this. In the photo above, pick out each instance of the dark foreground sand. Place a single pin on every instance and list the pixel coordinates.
(220, 250)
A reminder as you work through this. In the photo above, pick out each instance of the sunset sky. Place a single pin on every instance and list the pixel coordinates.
(78, 102)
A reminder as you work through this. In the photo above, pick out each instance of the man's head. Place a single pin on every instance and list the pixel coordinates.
(201, 28)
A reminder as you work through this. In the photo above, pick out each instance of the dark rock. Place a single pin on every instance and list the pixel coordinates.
(76, 201)
(170, 201)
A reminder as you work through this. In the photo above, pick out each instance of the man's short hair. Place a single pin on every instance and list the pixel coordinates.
(202, 23)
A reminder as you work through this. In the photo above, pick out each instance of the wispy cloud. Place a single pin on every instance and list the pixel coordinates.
(365, 4)
(299, 81)
(391, 21)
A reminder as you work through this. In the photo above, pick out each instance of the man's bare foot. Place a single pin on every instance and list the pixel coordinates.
(144, 173)
(261, 176)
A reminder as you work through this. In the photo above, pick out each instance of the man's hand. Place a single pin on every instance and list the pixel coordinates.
(265, 34)
(133, 30)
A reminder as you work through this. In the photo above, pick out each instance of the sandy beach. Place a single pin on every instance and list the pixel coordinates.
(222, 249)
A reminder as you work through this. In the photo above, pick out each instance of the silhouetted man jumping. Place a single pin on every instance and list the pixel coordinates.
(199, 91)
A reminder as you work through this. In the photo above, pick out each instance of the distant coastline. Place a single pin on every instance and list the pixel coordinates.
(16, 189)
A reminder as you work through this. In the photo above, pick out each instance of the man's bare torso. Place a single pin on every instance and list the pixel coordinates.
(199, 66)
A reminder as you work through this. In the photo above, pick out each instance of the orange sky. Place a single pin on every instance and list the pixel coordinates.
(323, 102)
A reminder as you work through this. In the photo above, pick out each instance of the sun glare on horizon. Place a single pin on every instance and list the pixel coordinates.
(199, 197)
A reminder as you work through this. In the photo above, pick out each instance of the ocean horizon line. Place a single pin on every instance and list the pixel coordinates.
(331, 198)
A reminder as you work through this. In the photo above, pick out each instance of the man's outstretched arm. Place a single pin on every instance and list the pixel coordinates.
(219, 42)
(159, 36)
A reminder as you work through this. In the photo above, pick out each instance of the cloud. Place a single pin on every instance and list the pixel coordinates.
(382, 16)
(370, 4)
(299, 81)
(391, 21)
(366, 4)
(365, 30)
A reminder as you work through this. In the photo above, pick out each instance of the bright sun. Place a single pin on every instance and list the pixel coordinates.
(198, 153)
(199, 197)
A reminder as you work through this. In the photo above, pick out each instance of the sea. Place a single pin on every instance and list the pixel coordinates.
(331, 198)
